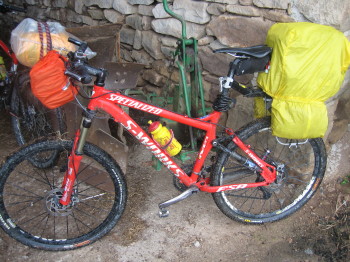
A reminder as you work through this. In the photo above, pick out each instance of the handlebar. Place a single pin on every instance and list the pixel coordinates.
(4, 8)
(78, 68)
(79, 73)
(82, 45)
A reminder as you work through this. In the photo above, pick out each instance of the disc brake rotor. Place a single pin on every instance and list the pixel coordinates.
(53, 205)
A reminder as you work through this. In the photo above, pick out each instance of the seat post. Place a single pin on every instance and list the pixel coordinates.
(233, 65)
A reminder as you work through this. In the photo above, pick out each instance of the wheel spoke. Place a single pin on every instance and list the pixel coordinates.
(81, 222)
(94, 207)
(26, 190)
(46, 181)
(94, 186)
(54, 227)
(297, 166)
(47, 219)
(21, 195)
(67, 228)
(31, 219)
(297, 179)
(243, 195)
(21, 202)
(31, 199)
(86, 214)
(82, 170)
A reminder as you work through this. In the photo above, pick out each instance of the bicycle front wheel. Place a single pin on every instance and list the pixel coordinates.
(30, 211)
(301, 166)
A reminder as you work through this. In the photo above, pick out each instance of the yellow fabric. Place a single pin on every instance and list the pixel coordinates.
(260, 108)
(308, 65)
(29, 52)
(2, 69)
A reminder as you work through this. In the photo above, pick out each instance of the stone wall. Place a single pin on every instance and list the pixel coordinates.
(149, 35)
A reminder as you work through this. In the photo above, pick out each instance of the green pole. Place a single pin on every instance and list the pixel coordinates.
(176, 16)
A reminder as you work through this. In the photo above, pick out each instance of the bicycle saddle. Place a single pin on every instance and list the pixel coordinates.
(258, 51)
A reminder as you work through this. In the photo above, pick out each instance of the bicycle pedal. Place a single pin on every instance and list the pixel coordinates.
(163, 212)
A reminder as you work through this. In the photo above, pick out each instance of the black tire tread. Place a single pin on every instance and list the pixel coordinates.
(89, 149)
(244, 133)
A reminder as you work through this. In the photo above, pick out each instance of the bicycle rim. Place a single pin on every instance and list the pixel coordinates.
(30, 208)
(301, 166)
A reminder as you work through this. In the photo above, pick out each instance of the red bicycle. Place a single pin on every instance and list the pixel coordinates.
(254, 177)
(29, 118)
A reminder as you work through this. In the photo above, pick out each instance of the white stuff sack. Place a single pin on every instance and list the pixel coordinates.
(26, 43)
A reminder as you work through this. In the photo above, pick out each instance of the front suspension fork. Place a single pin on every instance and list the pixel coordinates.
(74, 161)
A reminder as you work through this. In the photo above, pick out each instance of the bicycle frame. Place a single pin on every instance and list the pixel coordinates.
(10, 54)
(7, 87)
(110, 103)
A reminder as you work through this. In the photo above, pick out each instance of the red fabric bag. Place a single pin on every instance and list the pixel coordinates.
(49, 83)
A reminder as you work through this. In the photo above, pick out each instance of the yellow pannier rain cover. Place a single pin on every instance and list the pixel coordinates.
(307, 67)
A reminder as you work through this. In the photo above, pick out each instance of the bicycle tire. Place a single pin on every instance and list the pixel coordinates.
(29, 118)
(302, 167)
(29, 209)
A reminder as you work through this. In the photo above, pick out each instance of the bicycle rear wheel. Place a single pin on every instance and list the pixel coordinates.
(29, 204)
(30, 119)
(301, 166)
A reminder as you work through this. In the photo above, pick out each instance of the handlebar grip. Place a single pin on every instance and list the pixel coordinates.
(8, 8)
(79, 73)
(92, 70)
(18, 9)
(72, 75)
(82, 45)
(74, 41)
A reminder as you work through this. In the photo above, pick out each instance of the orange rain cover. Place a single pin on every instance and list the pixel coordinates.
(49, 83)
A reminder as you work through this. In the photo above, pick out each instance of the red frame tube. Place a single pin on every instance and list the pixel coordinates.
(71, 173)
(9, 52)
(110, 102)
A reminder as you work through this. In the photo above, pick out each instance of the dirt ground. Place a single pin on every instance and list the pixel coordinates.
(197, 231)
